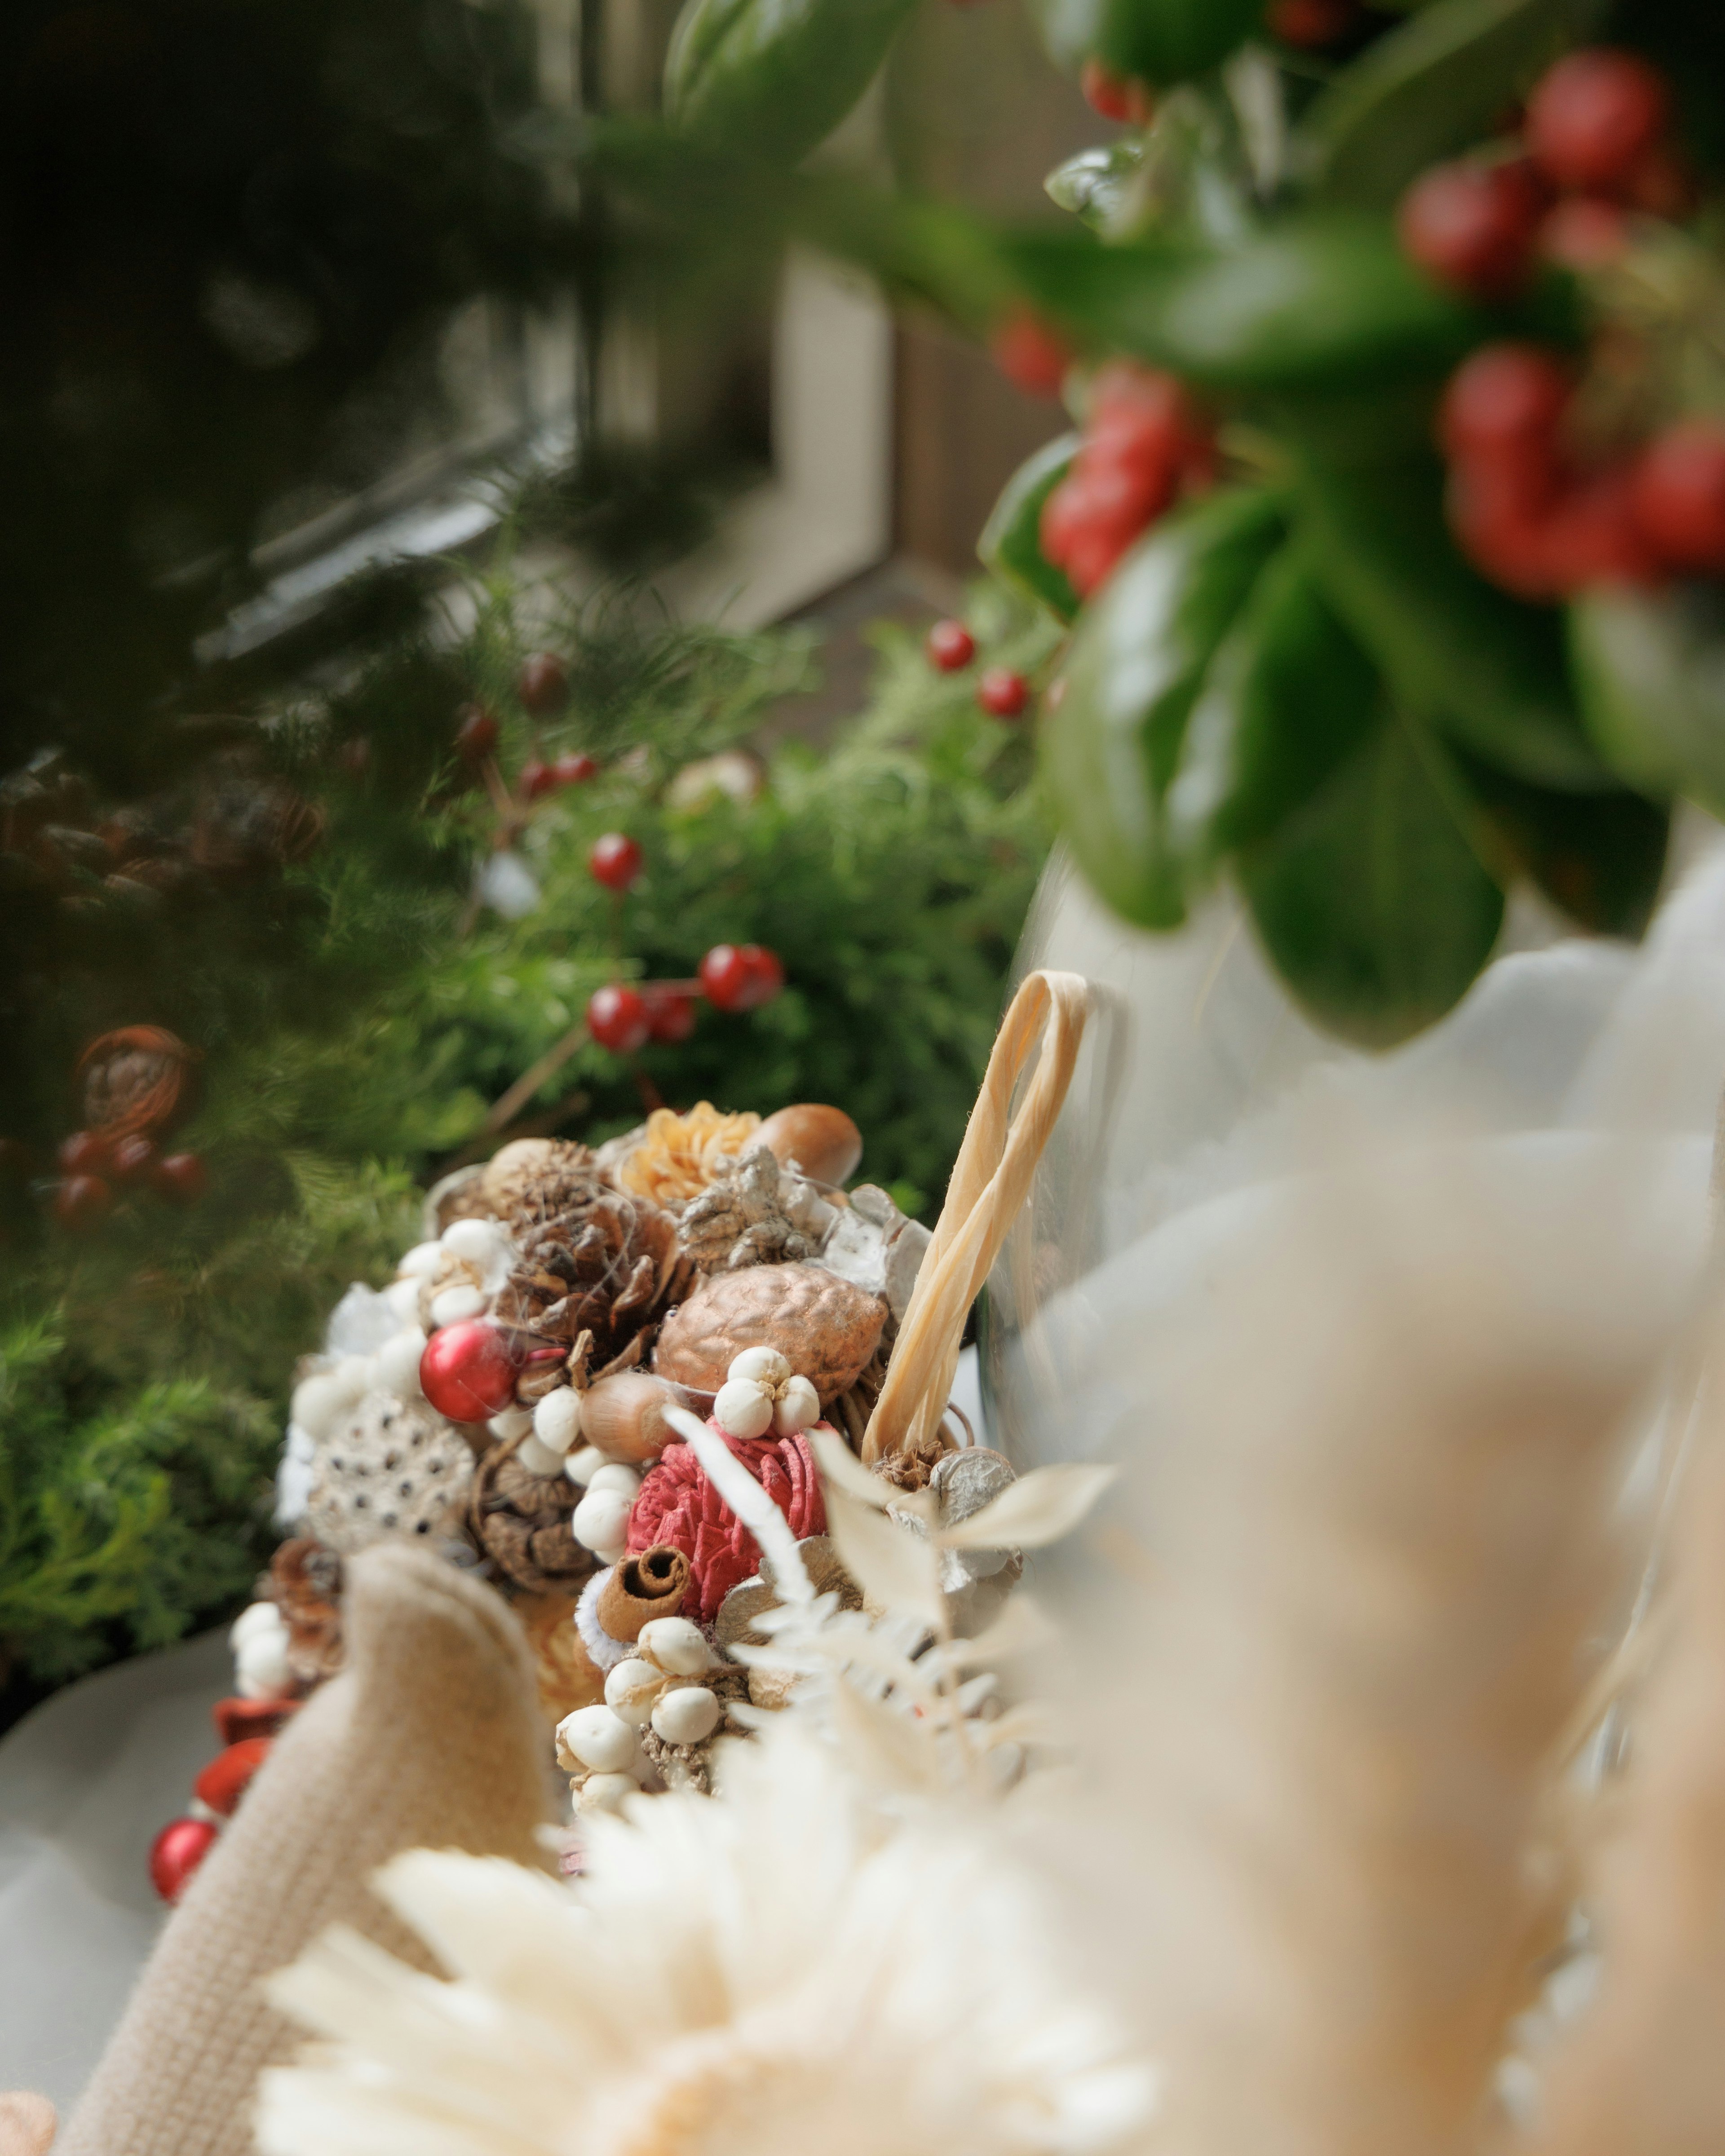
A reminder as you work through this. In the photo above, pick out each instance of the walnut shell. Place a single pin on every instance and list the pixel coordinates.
(824, 1327)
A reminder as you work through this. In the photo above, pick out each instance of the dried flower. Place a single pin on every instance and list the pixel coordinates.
(679, 1156)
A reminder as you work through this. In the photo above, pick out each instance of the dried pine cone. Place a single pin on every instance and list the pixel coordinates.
(305, 1585)
(534, 1180)
(520, 1521)
(826, 1328)
(913, 1469)
(740, 1219)
(606, 1263)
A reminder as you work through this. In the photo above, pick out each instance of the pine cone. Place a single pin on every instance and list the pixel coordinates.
(826, 1328)
(605, 1263)
(535, 1180)
(522, 1522)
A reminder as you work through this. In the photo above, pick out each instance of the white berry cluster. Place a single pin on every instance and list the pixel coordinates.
(762, 1393)
(601, 1746)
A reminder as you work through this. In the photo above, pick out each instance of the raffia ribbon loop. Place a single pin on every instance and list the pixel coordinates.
(989, 1183)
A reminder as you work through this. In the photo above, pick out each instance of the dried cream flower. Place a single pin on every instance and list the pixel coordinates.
(786, 1969)
(679, 1156)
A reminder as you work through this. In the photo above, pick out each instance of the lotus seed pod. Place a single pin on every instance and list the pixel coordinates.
(402, 1296)
(742, 1409)
(422, 1261)
(631, 1689)
(455, 1305)
(605, 1793)
(512, 1422)
(538, 1459)
(397, 1363)
(600, 1521)
(677, 1644)
(765, 1365)
(595, 1737)
(478, 1241)
(686, 1716)
(798, 1408)
(556, 1419)
(581, 1467)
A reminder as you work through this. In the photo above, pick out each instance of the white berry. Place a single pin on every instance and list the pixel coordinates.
(742, 1409)
(600, 1521)
(556, 1419)
(762, 1365)
(455, 1306)
(581, 1467)
(798, 1408)
(678, 1646)
(631, 1688)
(605, 1793)
(615, 1476)
(595, 1737)
(686, 1716)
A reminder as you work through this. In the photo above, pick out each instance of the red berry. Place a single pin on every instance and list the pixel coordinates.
(1002, 693)
(85, 1153)
(81, 1200)
(468, 1372)
(615, 860)
(765, 975)
(951, 647)
(1594, 535)
(1679, 496)
(1085, 529)
(1473, 226)
(476, 735)
(1582, 530)
(1310, 25)
(574, 769)
(738, 976)
(1029, 354)
(132, 1160)
(224, 1781)
(1584, 233)
(670, 1016)
(182, 1177)
(617, 1018)
(1594, 116)
(1505, 400)
(1661, 185)
(542, 685)
(537, 779)
(176, 1853)
(1115, 97)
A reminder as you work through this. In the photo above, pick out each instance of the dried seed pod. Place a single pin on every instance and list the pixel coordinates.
(624, 1415)
(822, 1141)
(827, 1328)
(137, 1080)
(382, 1468)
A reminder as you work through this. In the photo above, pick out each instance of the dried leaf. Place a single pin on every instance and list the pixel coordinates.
(894, 1567)
(1038, 1509)
(840, 1465)
(882, 1741)
(1022, 1627)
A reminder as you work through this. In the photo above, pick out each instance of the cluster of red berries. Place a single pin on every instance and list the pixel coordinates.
(93, 1167)
(247, 1729)
(733, 977)
(1145, 446)
(1001, 691)
(1541, 522)
(1593, 145)
(1031, 355)
(542, 688)
(539, 778)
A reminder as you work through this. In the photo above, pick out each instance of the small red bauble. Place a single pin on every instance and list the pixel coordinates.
(1029, 354)
(537, 779)
(951, 647)
(224, 1781)
(81, 1200)
(1506, 400)
(1473, 226)
(670, 1017)
(476, 735)
(1679, 496)
(85, 1153)
(176, 1853)
(542, 685)
(1594, 116)
(617, 1018)
(181, 1176)
(574, 769)
(1002, 694)
(468, 1372)
(1310, 25)
(615, 860)
(133, 1159)
(1115, 97)
(739, 977)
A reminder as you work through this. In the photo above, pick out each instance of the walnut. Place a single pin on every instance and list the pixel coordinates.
(826, 1329)
(742, 1218)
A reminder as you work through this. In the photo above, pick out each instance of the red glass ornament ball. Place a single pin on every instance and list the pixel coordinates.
(182, 1177)
(615, 860)
(476, 735)
(176, 1853)
(1115, 97)
(81, 1200)
(1680, 495)
(740, 976)
(537, 779)
(132, 1160)
(575, 769)
(951, 647)
(670, 1017)
(224, 1781)
(468, 1372)
(542, 684)
(1474, 227)
(1002, 694)
(617, 1018)
(85, 1153)
(1594, 116)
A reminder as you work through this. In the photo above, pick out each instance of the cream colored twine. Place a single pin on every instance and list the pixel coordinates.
(989, 1185)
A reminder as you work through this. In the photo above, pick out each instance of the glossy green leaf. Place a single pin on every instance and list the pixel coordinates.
(1651, 669)
(1431, 88)
(1600, 857)
(1289, 697)
(1111, 746)
(1326, 301)
(1370, 900)
(1100, 186)
(774, 77)
(1011, 544)
(1162, 41)
(1482, 666)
